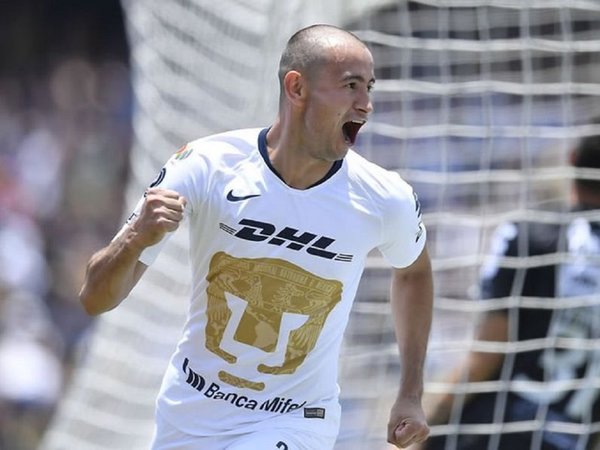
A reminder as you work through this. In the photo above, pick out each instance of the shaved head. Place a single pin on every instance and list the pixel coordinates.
(309, 49)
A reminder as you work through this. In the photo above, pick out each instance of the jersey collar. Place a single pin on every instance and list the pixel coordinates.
(262, 148)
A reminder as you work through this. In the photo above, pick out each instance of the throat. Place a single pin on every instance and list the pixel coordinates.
(303, 175)
(292, 165)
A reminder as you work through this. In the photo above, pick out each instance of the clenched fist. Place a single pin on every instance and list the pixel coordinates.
(407, 423)
(161, 212)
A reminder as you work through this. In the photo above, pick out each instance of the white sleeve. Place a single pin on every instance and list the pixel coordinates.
(404, 234)
(149, 255)
(184, 174)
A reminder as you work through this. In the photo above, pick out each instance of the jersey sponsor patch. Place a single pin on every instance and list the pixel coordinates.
(237, 398)
(291, 238)
(314, 413)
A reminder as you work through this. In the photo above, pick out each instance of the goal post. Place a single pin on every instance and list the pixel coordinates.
(477, 105)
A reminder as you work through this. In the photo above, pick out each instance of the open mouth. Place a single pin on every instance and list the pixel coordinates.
(350, 130)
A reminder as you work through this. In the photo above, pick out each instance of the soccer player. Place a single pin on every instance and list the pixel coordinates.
(541, 377)
(281, 221)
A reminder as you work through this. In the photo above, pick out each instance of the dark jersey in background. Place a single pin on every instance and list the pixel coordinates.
(559, 269)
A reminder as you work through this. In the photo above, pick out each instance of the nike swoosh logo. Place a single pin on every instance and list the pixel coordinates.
(235, 198)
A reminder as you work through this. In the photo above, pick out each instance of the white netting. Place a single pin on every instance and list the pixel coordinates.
(477, 104)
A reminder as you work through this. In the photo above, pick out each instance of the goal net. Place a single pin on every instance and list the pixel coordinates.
(477, 104)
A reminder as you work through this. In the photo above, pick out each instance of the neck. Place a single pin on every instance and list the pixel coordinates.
(291, 158)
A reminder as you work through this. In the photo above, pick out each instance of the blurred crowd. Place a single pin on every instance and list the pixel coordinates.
(65, 132)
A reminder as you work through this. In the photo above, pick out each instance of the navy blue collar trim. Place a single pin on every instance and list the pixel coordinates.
(262, 148)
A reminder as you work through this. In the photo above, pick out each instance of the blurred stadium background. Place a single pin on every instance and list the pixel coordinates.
(477, 104)
(65, 135)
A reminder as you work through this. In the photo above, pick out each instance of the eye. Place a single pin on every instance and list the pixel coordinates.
(351, 85)
(370, 87)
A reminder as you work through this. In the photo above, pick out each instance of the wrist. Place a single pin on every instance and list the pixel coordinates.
(411, 391)
(132, 241)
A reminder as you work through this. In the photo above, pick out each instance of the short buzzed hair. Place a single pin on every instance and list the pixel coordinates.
(304, 51)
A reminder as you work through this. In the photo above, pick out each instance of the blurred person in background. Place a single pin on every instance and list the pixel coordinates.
(65, 113)
(545, 395)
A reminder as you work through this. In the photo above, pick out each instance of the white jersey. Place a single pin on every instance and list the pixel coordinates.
(275, 271)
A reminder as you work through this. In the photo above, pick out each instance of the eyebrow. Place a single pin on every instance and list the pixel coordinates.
(358, 78)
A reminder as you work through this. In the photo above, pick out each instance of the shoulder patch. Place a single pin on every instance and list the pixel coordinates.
(182, 153)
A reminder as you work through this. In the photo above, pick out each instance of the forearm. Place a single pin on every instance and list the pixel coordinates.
(111, 273)
(412, 303)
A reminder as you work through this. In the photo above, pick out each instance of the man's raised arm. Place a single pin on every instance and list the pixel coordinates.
(113, 271)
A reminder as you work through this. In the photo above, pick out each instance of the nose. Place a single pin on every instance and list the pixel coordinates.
(364, 103)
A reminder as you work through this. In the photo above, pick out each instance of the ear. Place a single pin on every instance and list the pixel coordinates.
(294, 85)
